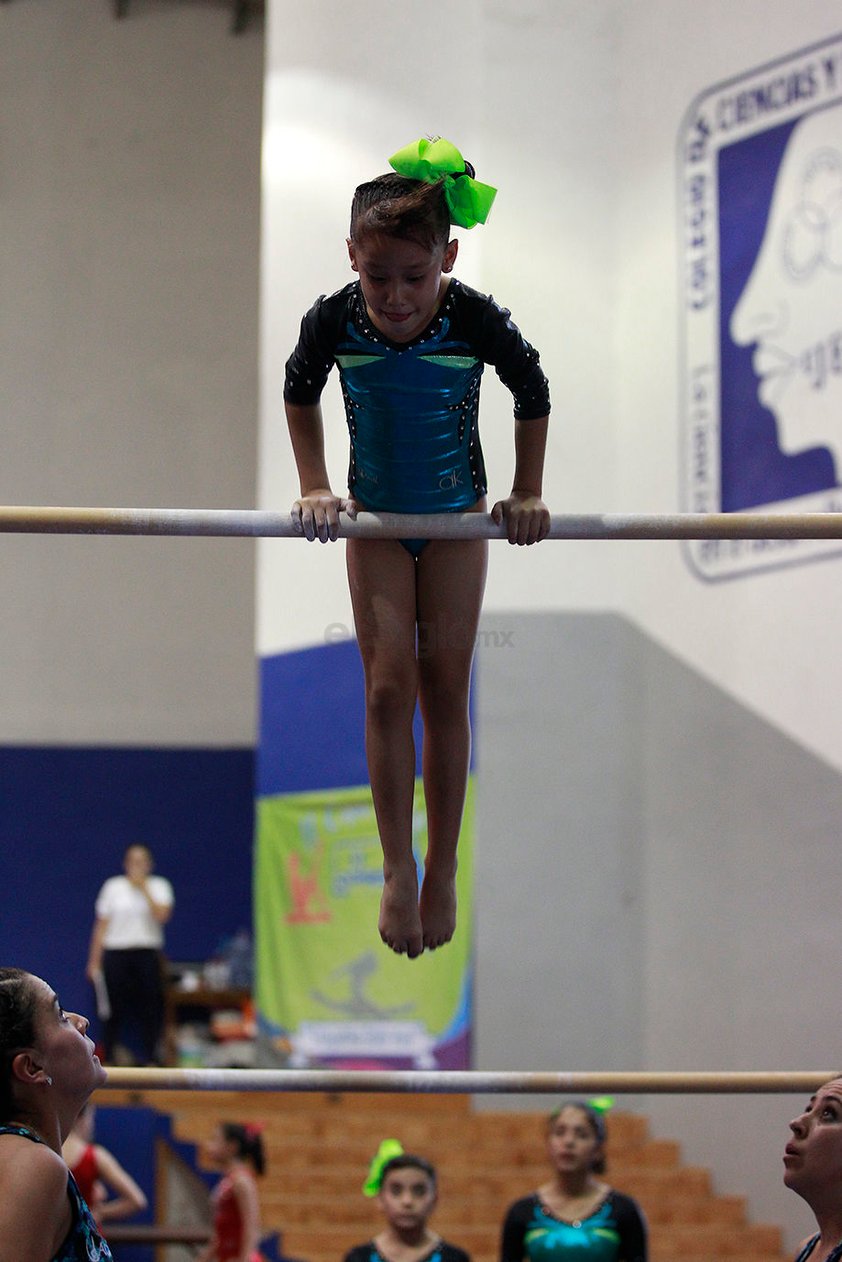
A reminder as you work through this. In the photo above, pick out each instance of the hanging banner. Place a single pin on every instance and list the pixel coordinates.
(329, 991)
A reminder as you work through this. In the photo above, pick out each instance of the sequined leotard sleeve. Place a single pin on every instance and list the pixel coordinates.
(412, 408)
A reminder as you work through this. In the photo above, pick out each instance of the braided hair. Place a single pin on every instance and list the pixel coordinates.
(395, 206)
(17, 1028)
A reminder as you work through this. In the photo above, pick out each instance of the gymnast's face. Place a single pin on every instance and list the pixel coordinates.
(407, 1197)
(218, 1151)
(572, 1143)
(790, 307)
(402, 282)
(813, 1156)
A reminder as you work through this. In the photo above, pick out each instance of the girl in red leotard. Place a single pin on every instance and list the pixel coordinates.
(109, 1190)
(236, 1151)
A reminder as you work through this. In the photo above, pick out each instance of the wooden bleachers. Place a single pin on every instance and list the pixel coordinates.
(319, 1146)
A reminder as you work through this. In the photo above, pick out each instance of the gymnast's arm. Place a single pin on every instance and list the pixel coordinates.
(526, 515)
(518, 365)
(129, 1198)
(245, 1194)
(317, 508)
(632, 1226)
(513, 1234)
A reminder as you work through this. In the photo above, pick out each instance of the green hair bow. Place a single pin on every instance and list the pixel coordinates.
(388, 1149)
(431, 159)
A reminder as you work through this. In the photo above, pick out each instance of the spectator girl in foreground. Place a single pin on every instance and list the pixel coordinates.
(48, 1069)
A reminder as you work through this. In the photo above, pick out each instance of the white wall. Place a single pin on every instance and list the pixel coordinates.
(738, 929)
(770, 640)
(550, 74)
(129, 200)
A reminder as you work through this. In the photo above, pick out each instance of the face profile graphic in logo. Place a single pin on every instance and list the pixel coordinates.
(781, 315)
(760, 240)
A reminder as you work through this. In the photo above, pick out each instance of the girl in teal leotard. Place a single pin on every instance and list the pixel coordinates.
(410, 344)
(575, 1216)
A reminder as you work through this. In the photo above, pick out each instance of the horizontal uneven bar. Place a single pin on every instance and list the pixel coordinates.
(142, 1233)
(252, 523)
(465, 1082)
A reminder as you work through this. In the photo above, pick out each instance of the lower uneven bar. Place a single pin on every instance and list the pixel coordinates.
(253, 523)
(467, 1082)
(159, 1233)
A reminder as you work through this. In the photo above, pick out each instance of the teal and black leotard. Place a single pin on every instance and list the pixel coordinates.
(614, 1232)
(412, 407)
(83, 1242)
(442, 1252)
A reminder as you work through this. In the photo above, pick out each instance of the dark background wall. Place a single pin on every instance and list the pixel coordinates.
(66, 816)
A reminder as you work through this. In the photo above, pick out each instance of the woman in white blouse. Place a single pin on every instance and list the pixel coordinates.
(125, 951)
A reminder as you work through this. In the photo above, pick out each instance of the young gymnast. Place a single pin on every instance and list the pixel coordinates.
(109, 1190)
(236, 1151)
(406, 1191)
(48, 1069)
(410, 342)
(575, 1214)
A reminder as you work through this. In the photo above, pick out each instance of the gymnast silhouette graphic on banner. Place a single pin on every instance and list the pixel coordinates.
(762, 228)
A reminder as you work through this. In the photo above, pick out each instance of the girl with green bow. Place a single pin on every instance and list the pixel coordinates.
(411, 342)
(406, 1190)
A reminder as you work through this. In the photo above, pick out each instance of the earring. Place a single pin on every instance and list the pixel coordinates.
(48, 1080)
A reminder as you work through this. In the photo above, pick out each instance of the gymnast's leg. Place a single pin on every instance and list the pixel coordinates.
(451, 582)
(381, 575)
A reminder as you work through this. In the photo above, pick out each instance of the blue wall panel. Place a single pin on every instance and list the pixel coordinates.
(312, 721)
(66, 816)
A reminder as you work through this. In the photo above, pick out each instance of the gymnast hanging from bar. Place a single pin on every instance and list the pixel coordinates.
(411, 342)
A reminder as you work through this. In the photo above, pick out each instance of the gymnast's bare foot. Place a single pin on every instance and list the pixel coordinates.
(400, 919)
(438, 909)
